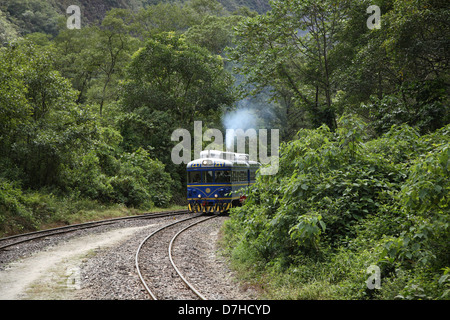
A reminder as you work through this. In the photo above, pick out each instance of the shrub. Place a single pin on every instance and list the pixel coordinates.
(339, 195)
(20, 211)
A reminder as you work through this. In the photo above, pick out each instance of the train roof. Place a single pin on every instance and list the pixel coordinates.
(219, 159)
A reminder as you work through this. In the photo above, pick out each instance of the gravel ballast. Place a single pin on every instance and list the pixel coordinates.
(99, 264)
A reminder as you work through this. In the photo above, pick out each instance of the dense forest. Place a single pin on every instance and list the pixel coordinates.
(19, 17)
(86, 117)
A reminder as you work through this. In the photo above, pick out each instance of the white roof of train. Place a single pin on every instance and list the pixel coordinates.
(217, 159)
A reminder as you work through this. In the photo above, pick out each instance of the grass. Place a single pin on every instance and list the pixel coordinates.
(334, 277)
(100, 212)
(39, 211)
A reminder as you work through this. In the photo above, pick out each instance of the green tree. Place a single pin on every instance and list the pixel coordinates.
(115, 46)
(48, 127)
(32, 15)
(169, 74)
(214, 33)
(164, 17)
(341, 203)
(170, 83)
(95, 57)
(14, 106)
(289, 50)
(399, 72)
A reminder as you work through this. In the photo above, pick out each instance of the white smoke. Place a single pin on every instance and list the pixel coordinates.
(239, 119)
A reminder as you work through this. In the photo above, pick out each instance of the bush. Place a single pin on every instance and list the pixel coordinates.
(349, 202)
(129, 178)
(13, 212)
(20, 211)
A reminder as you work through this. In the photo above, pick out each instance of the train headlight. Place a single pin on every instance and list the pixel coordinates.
(207, 163)
(216, 196)
(199, 195)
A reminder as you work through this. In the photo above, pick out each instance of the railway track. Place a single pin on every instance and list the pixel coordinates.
(155, 264)
(31, 236)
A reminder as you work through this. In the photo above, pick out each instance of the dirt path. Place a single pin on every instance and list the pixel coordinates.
(54, 273)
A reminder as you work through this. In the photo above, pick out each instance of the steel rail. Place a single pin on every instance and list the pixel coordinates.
(75, 227)
(173, 263)
(141, 277)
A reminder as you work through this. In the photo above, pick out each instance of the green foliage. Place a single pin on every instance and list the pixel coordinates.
(169, 84)
(153, 183)
(420, 104)
(374, 189)
(342, 197)
(94, 57)
(14, 207)
(49, 142)
(308, 230)
(398, 72)
(170, 74)
(64, 128)
(47, 127)
(8, 31)
(86, 118)
(32, 15)
(285, 49)
(321, 60)
(214, 33)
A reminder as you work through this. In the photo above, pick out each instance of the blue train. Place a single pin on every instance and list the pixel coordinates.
(214, 181)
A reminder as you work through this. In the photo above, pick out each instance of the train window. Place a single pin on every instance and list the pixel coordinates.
(208, 176)
(236, 176)
(252, 175)
(223, 176)
(239, 176)
(194, 177)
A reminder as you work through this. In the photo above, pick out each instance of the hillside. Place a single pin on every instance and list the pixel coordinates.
(19, 17)
(260, 6)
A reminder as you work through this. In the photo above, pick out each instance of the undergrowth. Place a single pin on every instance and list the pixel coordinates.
(341, 203)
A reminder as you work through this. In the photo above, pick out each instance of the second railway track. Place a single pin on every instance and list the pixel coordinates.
(28, 237)
(104, 262)
(156, 267)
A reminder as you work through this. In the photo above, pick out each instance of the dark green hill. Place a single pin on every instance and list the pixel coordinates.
(19, 17)
(259, 6)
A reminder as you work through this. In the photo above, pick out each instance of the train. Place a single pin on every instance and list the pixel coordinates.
(216, 180)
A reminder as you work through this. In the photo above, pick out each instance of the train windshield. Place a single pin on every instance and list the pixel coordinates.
(194, 177)
(223, 176)
(208, 176)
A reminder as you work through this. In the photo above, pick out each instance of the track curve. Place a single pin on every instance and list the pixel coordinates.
(140, 268)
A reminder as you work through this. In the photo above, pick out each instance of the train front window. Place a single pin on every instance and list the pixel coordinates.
(223, 176)
(208, 176)
(194, 177)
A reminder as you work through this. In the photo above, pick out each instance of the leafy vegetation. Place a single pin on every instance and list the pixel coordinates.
(86, 118)
(320, 60)
(49, 142)
(82, 111)
(342, 203)
(370, 189)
